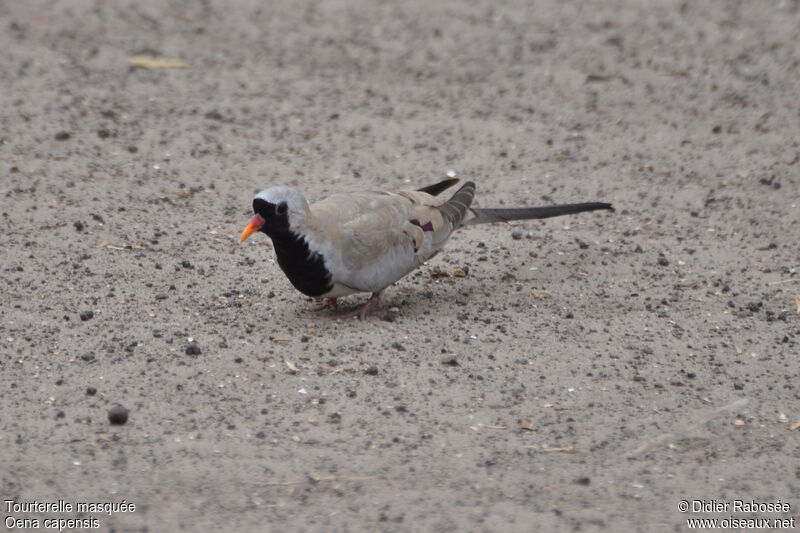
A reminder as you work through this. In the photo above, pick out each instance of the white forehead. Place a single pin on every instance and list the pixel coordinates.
(276, 195)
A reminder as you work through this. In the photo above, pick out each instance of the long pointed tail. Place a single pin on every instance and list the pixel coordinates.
(483, 216)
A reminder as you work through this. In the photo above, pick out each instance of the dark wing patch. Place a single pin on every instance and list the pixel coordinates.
(428, 226)
(436, 188)
(455, 209)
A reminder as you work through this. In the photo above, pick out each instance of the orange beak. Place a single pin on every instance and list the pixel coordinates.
(256, 223)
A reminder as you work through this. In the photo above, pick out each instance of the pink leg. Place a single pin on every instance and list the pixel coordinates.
(362, 311)
(327, 303)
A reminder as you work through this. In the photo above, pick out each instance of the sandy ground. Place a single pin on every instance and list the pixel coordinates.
(586, 375)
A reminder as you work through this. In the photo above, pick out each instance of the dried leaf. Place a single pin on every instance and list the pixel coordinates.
(539, 294)
(739, 422)
(153, 62)
(496, 427)
(548, 404)
(291, 366)
(569, 448)
(280, 339)
(526, 425)
(459, 273)
(795, 426)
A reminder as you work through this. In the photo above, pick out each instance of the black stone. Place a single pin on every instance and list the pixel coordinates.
(118, 415)
(193, 349)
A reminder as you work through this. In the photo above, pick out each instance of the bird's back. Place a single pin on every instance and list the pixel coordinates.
(372, 239)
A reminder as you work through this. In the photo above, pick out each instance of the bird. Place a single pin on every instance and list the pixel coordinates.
(363, 241)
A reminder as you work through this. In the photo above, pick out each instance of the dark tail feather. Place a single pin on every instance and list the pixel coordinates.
(525, 213)
(456, 208)
(436, 188)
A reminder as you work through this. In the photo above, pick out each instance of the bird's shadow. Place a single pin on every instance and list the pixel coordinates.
(402, 301)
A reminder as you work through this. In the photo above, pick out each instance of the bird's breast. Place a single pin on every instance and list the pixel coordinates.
(305, 269)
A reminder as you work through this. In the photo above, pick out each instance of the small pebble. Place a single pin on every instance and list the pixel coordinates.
(391, 314)
(371, 371)
(583, 481)
(663, 261)
(62, 135)
(91, 391)
(87, 315)
(118, 415)
(193, 349)
(78, 225)
(516, 235)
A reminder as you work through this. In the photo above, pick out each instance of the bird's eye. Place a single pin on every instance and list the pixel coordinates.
(281, 208)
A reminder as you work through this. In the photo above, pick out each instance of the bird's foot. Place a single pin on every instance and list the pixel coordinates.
(362, 311)
(327, 303)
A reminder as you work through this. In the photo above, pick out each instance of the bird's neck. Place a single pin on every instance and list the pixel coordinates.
(305, 268)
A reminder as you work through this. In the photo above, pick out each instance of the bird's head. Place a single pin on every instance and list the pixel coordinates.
(277, 209)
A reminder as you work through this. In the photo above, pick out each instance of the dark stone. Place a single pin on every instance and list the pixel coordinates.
(193, 349)
(118, 415)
